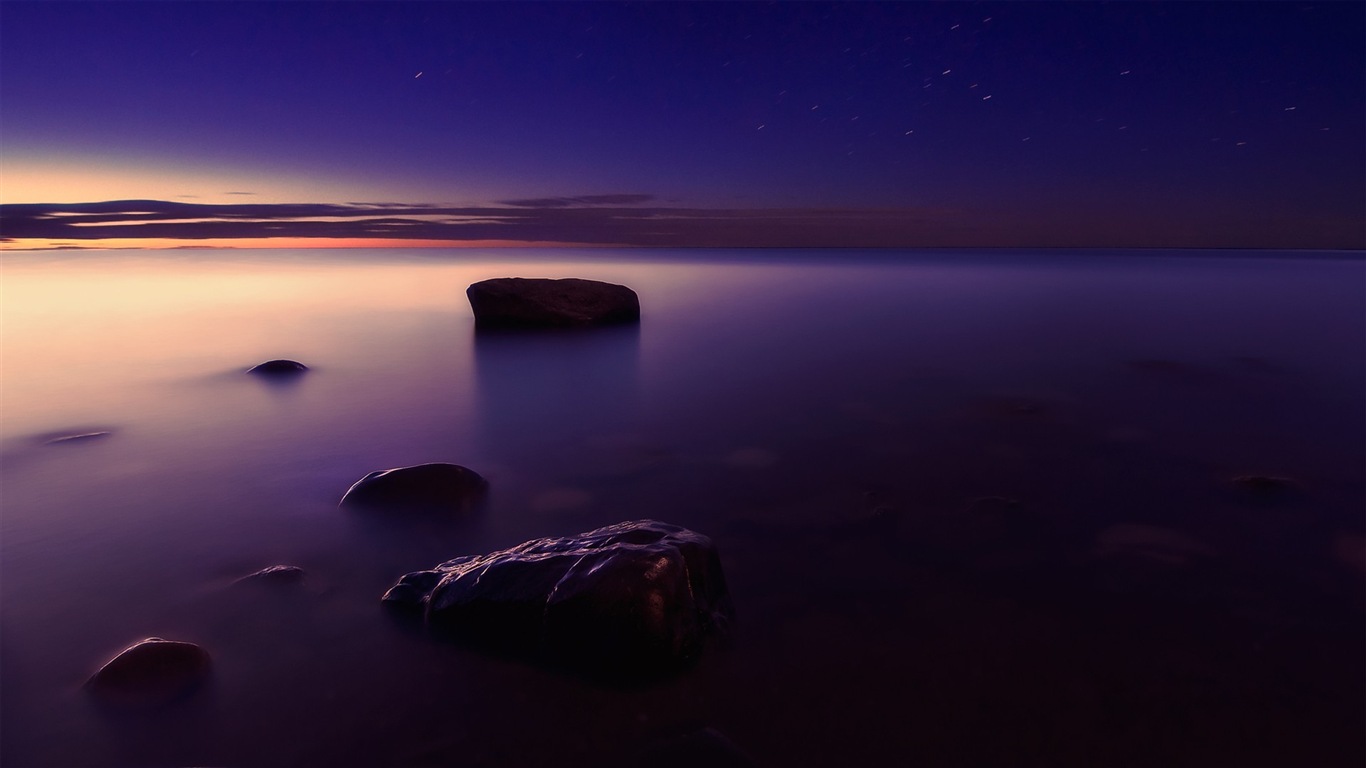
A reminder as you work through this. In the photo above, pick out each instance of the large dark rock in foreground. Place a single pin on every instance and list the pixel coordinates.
(422, 488)
(635, 598)
(150, 673)
(517, 302)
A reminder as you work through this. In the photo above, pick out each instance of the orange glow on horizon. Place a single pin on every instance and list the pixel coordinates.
(39, 176)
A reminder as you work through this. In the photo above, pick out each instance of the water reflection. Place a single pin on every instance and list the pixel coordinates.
(896, 461)
(546, 391)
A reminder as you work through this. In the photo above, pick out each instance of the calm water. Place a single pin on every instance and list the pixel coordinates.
(837, 423)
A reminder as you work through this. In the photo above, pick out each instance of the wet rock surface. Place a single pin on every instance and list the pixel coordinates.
(423, 488)
(283, 368)
(635, 598)
(150, 673)
(517, 302)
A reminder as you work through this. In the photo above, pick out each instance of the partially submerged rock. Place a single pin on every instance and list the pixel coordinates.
(517, 302)
(631, 598)
(994, 505)
(705, 747)
(1149, 543)
(1147, 561)
(275, 574)
(278, 368)
(150, 673)
(432, 487)
(81, 437)
(1266, 486)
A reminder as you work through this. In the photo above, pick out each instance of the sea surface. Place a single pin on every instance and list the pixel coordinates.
(976, 508)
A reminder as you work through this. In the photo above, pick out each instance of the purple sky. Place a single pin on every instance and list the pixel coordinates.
(997, 124)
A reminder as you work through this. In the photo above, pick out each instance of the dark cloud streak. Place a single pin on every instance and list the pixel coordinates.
(596, 223)
(600, 223)
(586, 200)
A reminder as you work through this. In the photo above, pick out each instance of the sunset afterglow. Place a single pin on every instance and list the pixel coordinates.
(994, 125)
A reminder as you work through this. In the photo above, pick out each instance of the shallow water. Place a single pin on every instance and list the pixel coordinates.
(976, 508)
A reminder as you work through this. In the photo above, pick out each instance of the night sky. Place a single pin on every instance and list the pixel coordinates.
(681, 124)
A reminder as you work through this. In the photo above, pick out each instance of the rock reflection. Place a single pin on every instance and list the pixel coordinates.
(541, 391)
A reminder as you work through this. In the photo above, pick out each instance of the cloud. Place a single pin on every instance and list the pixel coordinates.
(597, 221)
(585, 200)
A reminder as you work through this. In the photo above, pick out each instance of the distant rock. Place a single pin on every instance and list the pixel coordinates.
(993, 505)
(1140, 560)
(433, 487)
(1349, 549)
(150, 673)
(751, 458)
(278, 368)
(1154, 365)
(629, 599)
(517, 302)
(1175, 371)
(560, 499)
(82, 437)
(704, 748)
(1254, 364)
(1266, 486)
(1149, 543)
(275, 574)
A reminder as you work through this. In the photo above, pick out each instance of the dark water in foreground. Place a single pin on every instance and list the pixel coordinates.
(838, 423)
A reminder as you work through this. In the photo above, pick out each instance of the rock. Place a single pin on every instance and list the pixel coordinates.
(1010, 407)
(1265, 486)
(560, 500)
(1349, 549)
(278, 368)
(83, 437)
(275, 574)
(1150, 543)
(705, 748)
(1254, 364)
(421, 488)
(751, 458)
(632, 598)
(150, 673)
(993, 505)
(1147, 561)
(1160, 366)
(516, 302)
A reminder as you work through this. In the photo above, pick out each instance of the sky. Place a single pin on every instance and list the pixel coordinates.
(910, 124)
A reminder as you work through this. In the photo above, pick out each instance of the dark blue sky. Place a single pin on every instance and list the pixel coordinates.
(976, 123)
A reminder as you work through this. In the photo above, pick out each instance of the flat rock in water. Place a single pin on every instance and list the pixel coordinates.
(632, 598)
(517, 302)
(278, 368)
(436, 487)
(150, 673)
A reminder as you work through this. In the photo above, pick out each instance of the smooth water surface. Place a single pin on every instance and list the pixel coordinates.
(976, 508)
